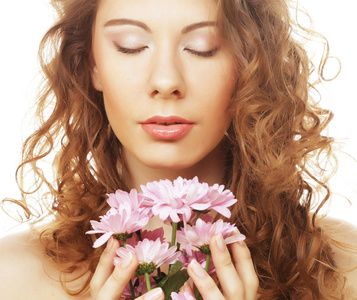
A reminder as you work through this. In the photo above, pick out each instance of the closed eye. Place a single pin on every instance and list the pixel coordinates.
(203, 53)
(129, 50)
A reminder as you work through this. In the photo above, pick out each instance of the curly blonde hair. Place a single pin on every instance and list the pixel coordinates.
(274, 142)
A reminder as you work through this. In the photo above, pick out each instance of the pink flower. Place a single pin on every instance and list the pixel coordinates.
(117, 223)
(151, 255)
(171, 199)
(220, 199)
(129, 201)
(205, 217)
(200, 257)
(193, 192)
(200, 234)
(182, 296)
(139, 285)
(151, 235)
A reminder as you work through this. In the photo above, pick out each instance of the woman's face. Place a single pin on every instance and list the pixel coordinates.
(166, 79)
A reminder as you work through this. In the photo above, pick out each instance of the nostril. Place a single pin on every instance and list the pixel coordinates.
(174, 93)
(154, 93)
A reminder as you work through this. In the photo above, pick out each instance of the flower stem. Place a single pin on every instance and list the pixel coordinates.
(198, 216)
(208, 260)
(148, 285)
(173, 236)
(132, 289)
(159, 272)
(138, 233)
(197, 295)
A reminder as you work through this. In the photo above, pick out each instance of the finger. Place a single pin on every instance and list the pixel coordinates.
(203, 282)
(245, 269)
(154, 294)
(231, 284)
(117, 281)
(105, 267)
(187, 288)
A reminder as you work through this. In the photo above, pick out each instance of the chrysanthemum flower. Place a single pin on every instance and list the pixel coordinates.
(219, 199)
(205, 217)
(151, 255)
(128, 201)
(120, 224)
(200, 257)
(140, 287)
(151, 235)
(169, 200)
(200, 234)
(182, 296)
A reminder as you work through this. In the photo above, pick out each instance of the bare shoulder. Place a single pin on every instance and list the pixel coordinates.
(346, 256)
(25, 272)
(19, 258)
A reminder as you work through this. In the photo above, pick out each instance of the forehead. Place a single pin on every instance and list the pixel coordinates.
(163, 11)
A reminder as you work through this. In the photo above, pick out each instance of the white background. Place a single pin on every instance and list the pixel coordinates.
(23, 23)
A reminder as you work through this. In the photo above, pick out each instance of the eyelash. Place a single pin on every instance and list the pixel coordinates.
(130, 51)
(205, 53)
(198, 53)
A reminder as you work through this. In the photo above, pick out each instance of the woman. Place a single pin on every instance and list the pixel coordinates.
(146, 90)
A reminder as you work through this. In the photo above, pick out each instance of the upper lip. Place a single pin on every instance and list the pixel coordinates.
(169, 120)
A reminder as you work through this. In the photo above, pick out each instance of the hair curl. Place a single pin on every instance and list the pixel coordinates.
(275, 142)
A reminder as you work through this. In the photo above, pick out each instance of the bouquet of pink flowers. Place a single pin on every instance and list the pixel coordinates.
(185, 205)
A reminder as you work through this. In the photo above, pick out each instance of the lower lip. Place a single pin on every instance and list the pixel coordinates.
(169, 132)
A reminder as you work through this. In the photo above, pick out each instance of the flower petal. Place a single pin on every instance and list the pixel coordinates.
(102, 240)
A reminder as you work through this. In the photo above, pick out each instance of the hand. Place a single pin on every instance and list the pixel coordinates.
(238, 279)
(109, 282)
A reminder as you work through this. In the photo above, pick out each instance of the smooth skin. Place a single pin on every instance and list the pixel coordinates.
(164, 58)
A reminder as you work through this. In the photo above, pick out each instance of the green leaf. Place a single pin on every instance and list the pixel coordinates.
(159, 278)
(174, 280)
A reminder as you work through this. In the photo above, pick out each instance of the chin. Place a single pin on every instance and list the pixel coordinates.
(169, 165)
(167, 162)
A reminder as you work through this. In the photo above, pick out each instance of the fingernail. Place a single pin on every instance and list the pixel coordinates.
(197, 269)
(109, 245)
(220, 243)
(126, 260)
(242, 243)
(153, 294)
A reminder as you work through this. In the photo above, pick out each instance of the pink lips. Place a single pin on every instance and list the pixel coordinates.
(167, 128)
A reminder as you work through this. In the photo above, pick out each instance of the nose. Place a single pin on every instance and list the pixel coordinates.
(166, 77)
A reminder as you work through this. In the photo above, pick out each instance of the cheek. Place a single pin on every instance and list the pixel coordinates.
(115, 114)
(221, 95)
(119, 92)
(122, 84)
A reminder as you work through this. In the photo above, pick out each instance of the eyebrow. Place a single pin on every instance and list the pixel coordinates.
(187, 29)
(116, 22)
(195, 26)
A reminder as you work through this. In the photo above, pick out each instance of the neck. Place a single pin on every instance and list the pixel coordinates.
(211, 170)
